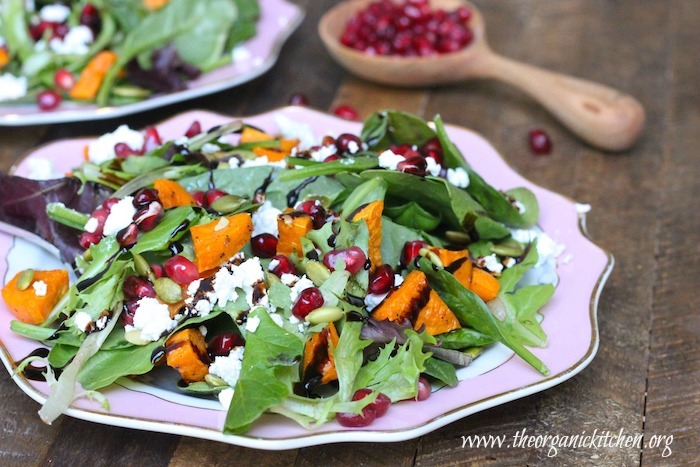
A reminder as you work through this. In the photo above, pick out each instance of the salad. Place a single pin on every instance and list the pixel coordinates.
(319, 280)
(114, 52)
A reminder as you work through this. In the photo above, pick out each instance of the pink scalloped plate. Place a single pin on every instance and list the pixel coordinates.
(278, 20)
(569, 320)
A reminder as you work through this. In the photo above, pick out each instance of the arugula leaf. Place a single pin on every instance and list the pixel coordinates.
(262, 385)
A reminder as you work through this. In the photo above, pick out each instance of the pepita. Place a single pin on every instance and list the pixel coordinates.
(325, 314)
(134, 337)
(214, 381)
(432, 256)
(509, 247)
(167, 290)
(227, 204)
(142, 267)
(317, 272)
(457, 237)
(25, 279)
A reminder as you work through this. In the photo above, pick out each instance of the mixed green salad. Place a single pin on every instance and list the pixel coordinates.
(318, 281)
(114, 51)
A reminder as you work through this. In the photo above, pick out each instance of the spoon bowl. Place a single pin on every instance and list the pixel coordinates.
(602, 116)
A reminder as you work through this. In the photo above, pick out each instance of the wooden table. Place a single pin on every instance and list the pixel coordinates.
(646, 376)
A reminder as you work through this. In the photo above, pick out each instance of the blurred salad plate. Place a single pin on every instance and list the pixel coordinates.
(59, 44)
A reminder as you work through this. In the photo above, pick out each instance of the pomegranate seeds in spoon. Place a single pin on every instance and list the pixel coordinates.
(408, 29)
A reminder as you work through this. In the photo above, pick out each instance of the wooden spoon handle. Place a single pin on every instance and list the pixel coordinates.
(602, 116)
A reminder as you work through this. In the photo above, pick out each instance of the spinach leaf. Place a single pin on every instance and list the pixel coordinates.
(390, 126)
(442, 371)
(369, 191)
(204, 43)
(495, 202)
(413, 215)
(262, 385)
(106, 366)
(527, 198)
(394, 236)
(453, 158)
(168, 230)
(489, 229)
(463, 338)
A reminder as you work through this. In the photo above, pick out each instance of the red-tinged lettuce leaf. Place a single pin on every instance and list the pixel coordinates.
(23, 204)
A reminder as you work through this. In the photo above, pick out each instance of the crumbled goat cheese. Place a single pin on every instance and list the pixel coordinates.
(323, 152)
(101, 323)
(273, 264)
(209, 148)
(82, 321)
(251, 325)
(102, 149)
(225, 398)
(55, 13)
(458, 177)
(291, 129)
(301, 285)
(76, 42)
(262, 160)
(389, 160)
(91, 225)
(509, 262)
(398, 280)
(40, 288)
(41, 169)
(152, 318)
(12, 87)
(289, 279)
(491, 263)
(373, 300)
(265, 219)
(234, 163)
(277, 318)
(433, 167)
(353, 147)
(228, 367)
(120, 216)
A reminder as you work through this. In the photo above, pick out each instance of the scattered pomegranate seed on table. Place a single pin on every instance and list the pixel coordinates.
(540, 142)
(408, 29)
(347, 112)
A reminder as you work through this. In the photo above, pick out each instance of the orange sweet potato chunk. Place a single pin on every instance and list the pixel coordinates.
(31, 305)
(217, 241)
(406, 301)
(172, 194)
(436, 316)
(186, 351)
(372, 214)
(484, 284)
(292, 227)
(318, 359)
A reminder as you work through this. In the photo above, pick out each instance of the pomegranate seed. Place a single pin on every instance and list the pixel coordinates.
(353, 257)
(89, 238)
(424, 390)
(63, 79)
(298, 99)
(212, 195)
(200, 199)
(109, 203)
(382, 280)
(264, 245)
(128, 235)
(315, 210)
(282, 265)
(464, 14)
(158, 270)
(48, 100)
(90, 17)
(136, 287)
(123, 150)
(151, 139)
(540, 142)
(194, 129)
(352, 420)
(144, 197)
(379, 406)
(59, 31)
(332, 158)
(347, 112)
(404, 150)
(308, 300)
(147, 217)
(348, 143)
(128, 312)
(101, 214)
(413, 165)
(222, 343)
(410, 251)
(181, 270)
(431, 147)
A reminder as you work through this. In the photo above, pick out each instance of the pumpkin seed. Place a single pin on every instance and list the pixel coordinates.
(167, 290)
(227, 204)
(270, 278)
(25, 279)
(509, 247)
(134, 337)
(214, 381)
(142, 267)
(317, 272)
(325, 314)
(432, 256)
(455, 236)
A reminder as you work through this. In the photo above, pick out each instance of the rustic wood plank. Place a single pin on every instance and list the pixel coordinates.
(193, 451)
(673, 401)
(16, 142)
(368, 97)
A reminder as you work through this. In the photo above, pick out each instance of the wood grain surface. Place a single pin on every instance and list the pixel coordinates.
(645, 378)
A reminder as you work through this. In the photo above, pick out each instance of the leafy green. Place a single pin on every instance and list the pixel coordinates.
(413, 215)
(496, 203)
(394, 236)
(106, 366)
(205, 42)
(393, 127)
(358, 163)
(453, 158)
(262, 385)
(463, 338)
(369, 191)
(168, 230)
(348, 358)
(442, 371)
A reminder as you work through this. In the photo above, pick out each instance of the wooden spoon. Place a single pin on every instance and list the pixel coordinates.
(602, 116)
